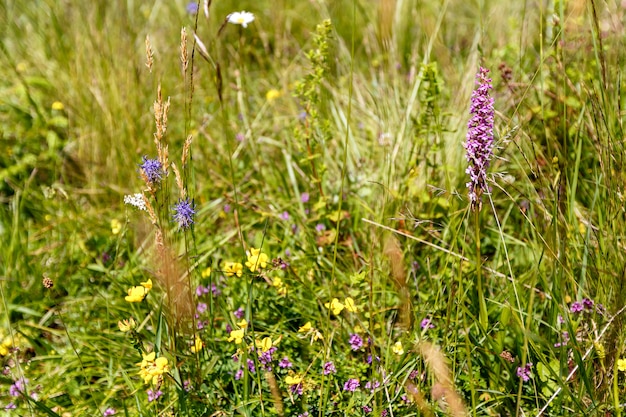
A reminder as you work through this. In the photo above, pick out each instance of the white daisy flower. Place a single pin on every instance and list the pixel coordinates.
(241, 18)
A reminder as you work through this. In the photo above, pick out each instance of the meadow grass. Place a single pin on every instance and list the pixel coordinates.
(202, 219)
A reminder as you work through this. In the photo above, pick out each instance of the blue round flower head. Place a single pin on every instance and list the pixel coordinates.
(152, 169)
(183, 213)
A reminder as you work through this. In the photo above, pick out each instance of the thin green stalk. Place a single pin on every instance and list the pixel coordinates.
(483, 318)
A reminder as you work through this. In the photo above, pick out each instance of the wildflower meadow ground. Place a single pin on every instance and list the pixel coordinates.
(329, 208)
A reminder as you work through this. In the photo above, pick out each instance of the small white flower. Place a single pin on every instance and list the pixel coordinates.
(241, 18)
(135, 200)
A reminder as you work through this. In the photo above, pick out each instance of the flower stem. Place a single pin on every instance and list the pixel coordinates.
(483, 318)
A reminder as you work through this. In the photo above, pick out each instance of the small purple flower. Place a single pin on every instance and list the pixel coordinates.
(187, 385)
(329, 368)
(427, 324)
(240, 137)
(479, 138)
(284, 215)
(320, 228)
(588, 304)
(564, 339)
(356, 342)
(265, 358)
(296, 389)
(226, 208)
(372, 385)
(560, 319)
(183, 213)
(229, 328)
(18, 387)
(285, 363)
(108, 412)
(384, 413)
(215, 290)
(152, 169)
(576, 307)
(305, 414)
(192, 7)
(201, 290)
(10, 406)
(154, 395)
(414, 374)
(201, 308)
(351, 385)
(239, 374)
(251, 367)
(239, 313)
(305, 197)
(524, 372)
(367, 409)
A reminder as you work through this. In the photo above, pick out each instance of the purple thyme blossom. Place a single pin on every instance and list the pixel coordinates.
(296, 389)
(251, 367)
(304, 197)
(108, 412)
(329, 368)
(564, 339)
(372, 385)
(265, 358)
(356, 342)
(285, 363)
(152, 169)
(239, 313)
(524, 372)
(576, 307)
(202, 307)
(427, 324)
(479, 139)
(239, 374)
(18, 387)
(10, 406)
(183, 213)
(154, 395)
(351, 385)
(588, 304)
(367, 409)
(284, 215)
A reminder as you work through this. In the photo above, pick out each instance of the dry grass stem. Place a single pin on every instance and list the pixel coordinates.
(393, 252)
(186, 149)
(149, 54)
(443, 389)
(179, 181)
(184, 58)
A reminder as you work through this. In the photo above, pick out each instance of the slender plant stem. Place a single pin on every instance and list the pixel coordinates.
(483, 318)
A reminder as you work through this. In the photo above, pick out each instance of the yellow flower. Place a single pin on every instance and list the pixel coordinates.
(127, 325)
(306, 328)
(243, 323)
(293, 380)
(280, 286)
(152, 369)
(236, 336)
(264, 344)
(336, 306)
(350, 306)
(272, 95)
(147, 285)
(136, 294)
(397, 348)
(233, 268)
(5, 346)
(206, 272)
(621, 365)
(116, 226)
(256, 260)
(197, 345)
(57, 105)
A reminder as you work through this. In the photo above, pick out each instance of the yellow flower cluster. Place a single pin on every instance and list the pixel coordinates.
(264, 344)
(337, 306)
(153, 368)
(621, 365)
(197, 345)
(232, 269)
(137, 293)
(257, 260)
(308, 329)
(127, 325)
(237, 335)
(293, 379)
(280, 286)
(5, 346)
